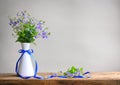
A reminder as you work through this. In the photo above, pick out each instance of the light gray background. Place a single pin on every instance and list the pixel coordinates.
(85, 33)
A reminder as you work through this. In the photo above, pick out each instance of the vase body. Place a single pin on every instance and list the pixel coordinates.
(25, 68)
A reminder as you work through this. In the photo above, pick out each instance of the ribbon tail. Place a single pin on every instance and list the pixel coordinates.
(36, 67)
(17, 63)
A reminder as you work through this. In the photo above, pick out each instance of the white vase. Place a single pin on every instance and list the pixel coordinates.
(25, 68)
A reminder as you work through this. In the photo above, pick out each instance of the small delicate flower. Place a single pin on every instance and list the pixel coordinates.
(44, 34)
(39, 26)
(14, 23)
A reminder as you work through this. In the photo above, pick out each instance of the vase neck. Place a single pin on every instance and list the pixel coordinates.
(25, 46)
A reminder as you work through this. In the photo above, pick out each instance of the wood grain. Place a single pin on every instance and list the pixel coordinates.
(98, 78)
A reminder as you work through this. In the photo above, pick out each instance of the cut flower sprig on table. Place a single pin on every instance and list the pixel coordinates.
(27, 28)
(71, 72)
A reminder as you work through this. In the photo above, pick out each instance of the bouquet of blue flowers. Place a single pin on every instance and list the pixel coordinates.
(27, 28)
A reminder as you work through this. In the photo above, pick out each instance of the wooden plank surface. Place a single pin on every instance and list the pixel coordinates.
(97, 78)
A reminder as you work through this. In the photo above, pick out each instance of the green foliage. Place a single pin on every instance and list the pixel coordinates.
(27, 33)
(72, 70)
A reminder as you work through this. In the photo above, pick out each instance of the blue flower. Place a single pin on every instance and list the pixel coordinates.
(44, 35)
(39, 26)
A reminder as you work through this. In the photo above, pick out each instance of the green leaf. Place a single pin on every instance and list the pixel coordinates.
(81, 71)
(46, 28)
(49, 33)
(72, 70)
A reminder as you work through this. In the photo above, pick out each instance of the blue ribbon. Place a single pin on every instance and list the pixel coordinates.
(30, 51)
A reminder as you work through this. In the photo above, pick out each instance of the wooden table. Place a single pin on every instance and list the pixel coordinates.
(98, 78)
